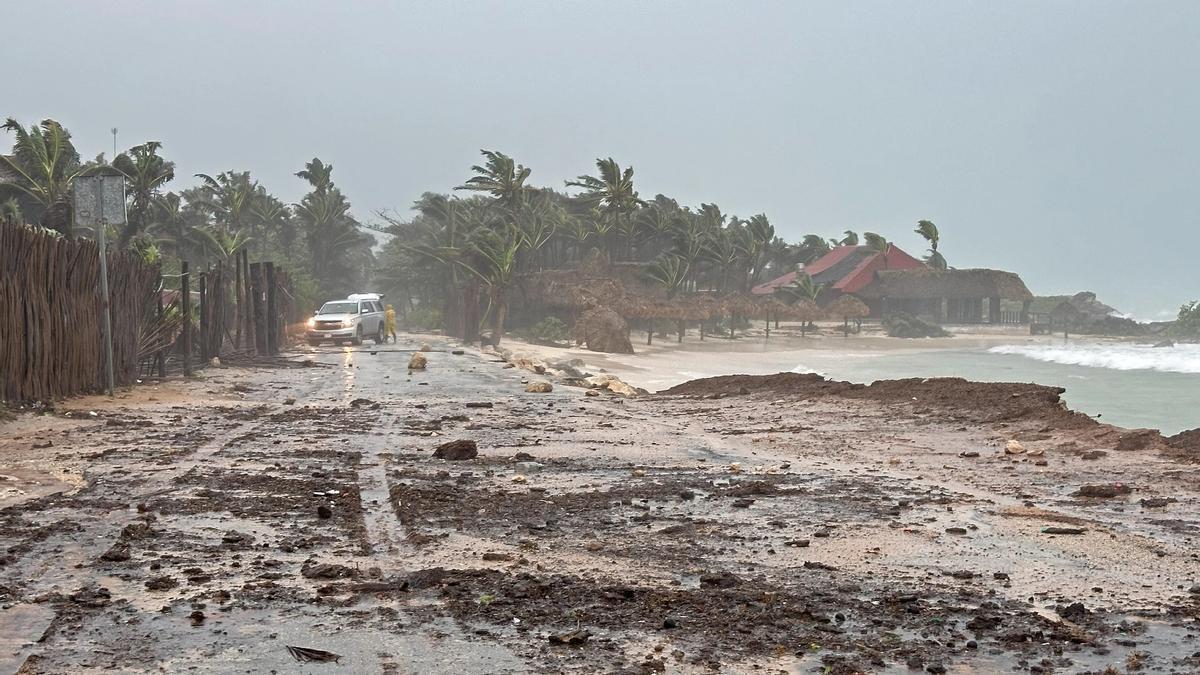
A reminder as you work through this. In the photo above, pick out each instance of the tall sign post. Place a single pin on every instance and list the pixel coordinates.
(100, 202)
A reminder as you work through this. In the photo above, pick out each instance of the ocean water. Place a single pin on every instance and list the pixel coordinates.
(1124, 384)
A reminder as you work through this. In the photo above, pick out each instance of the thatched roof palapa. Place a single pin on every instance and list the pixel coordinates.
(929, 284)
(847, 307)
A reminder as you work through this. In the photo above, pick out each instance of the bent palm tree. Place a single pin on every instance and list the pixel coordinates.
(611, 191)
(929, 231)
(145, 172)
(500, 177)
(46, 165)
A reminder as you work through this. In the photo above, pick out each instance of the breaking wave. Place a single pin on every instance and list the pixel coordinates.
(1178, 359)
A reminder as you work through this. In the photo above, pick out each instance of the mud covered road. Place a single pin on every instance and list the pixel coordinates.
(208, 526)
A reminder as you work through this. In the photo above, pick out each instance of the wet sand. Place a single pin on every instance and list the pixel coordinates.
(209, 524)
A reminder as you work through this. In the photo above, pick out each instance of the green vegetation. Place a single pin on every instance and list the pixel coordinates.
(905, 326)
(465, 253)
(550, 330)
(1187, 325)
(317, 240)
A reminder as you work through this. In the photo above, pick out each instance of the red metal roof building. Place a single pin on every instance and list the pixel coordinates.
(846, 269)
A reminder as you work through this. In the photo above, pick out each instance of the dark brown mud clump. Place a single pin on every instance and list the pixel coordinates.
(962, 399)
(1184, 446)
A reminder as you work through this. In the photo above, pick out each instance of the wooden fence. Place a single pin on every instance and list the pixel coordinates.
(50, 315)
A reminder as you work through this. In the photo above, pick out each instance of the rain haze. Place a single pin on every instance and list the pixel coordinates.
(1058, 140)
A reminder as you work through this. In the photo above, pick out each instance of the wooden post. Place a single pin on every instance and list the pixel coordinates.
(256, 307)
(238, 302)
(185, 299)
(768, 335)
(248, 295)
(272, 319)
(161, 356)
(204, 317)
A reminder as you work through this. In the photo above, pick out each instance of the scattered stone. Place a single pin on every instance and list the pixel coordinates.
(456, 451)
(497, 557)
(742, 503)
(539, 387)
(1002, 576)
(364, 403)
(1014, 447)
(969, 454)
(687, 495)
(1063, 530)
(324, 512)
(956, 530)
(1102, 491)
(237, 538)
(590, 392)
(197, 617)
(719, 580)
(1156, 502)
(814, 565)
(289, 401)
(161, 583)
(91, 596)
(480, 404)
(797, 543)
(1073, 612)
(670, 622)
(573, 638)
(118, 553)
(1093, 454)
(418, 362)
(523, 457)
(312, 570)
(457, 352)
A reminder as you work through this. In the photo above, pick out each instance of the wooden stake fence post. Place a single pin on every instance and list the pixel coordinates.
(256, 288)
(161, 357)
(204, 317)
(185, 299)
(272, 318)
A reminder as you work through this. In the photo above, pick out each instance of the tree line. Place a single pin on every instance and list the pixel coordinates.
(317, 239)
(468, 247)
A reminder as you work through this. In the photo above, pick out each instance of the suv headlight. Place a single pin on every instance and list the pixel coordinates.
(312, 323)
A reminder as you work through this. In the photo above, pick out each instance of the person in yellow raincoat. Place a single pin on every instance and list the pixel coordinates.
(390, 322)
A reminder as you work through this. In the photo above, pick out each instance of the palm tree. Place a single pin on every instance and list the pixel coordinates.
(145, 172)
(929, 231)
(756, 241)
(494, 261)
(173, 227)
(850, 238)
(46, 164)
(500, 177)
(229, 197)
(813, 247)
(612, 193)
(878, 244)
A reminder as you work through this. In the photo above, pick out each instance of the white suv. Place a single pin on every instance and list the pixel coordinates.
(351, 320)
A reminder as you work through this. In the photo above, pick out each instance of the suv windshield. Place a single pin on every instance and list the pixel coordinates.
(339, 308)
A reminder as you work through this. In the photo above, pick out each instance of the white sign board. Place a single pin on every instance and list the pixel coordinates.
(99, 200)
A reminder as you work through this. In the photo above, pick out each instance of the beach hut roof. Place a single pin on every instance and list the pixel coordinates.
(848, 307)
(930, 283)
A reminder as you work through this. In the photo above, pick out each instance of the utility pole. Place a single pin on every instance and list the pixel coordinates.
(99, 201)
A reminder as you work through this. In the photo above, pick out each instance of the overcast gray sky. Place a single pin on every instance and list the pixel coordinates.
(1056, 139)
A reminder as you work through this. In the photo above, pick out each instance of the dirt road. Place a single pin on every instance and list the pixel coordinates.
(207, 526)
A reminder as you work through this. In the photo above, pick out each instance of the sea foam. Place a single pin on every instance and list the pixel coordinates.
(1184, 358)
